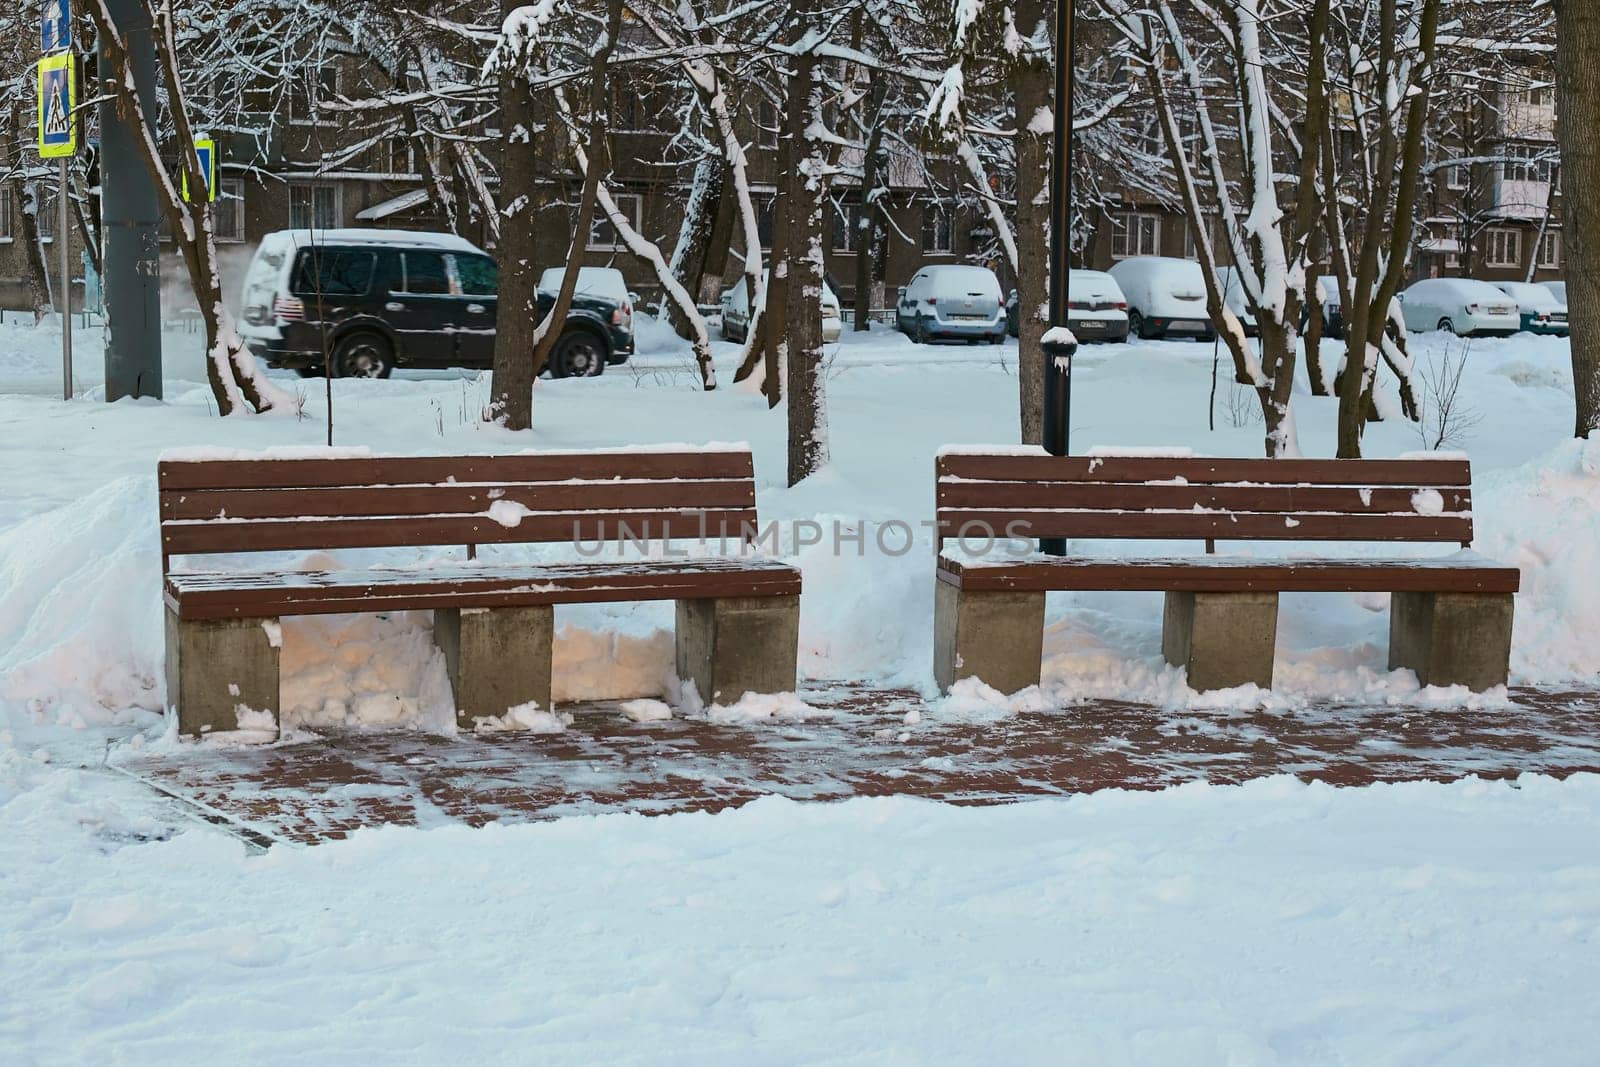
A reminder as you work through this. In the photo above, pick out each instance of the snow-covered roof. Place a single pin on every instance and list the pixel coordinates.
(393, 206)
(447, 242)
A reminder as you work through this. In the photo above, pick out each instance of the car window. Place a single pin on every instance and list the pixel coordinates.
(333, 272)
(478, 274)
(426, 273)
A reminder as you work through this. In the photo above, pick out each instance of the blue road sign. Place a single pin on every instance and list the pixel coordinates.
(206, 149)
(55, 26)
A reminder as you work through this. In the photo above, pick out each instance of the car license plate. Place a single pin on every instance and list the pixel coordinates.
(1089, 325)
(971, 318)
(1187, 324)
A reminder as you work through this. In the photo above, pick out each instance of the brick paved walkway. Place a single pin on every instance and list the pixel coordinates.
(325, 788)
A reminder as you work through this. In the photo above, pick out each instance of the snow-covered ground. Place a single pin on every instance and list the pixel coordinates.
(80, 634)
(1268, 923)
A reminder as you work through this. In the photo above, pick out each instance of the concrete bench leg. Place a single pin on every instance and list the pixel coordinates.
(997, 638)
(1452, 638)
(217, 668)
(1222, 639)
(498, 658)
(736, 645)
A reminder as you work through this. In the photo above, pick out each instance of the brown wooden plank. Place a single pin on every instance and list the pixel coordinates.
(454, 499)
(1181, 525)
(271, 535)
(1214, 576)
(424, 470)
(1034, 468)
(247, 596)
(1248, 498)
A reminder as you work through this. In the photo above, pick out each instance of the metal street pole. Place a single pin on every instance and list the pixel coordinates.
(64, 242)
(130, 285)
(1059, 346)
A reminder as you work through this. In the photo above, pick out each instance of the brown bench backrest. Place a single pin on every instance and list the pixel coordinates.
(1151, 498)
(268, 505)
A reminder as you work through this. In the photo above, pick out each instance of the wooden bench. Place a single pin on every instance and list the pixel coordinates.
(1450, 618)
(737, 615)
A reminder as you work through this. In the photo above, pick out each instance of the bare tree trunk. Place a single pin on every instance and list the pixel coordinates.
(806, 190)
(692, 253)
(867, 244)
(1032, 88)
(516, 256)
(1578, 98)
(25, 192)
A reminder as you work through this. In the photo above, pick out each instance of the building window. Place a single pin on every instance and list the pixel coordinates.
(938, 230)
(845, 220)
(1502, 246)
(312, 90)
(228, 211)
(766, 212)
(1457, 176)
(603, 235)
(8, 215)
(394, 155)
(1550, 250)
(1135, 233)
(1541, 96)
(44, 219)
(313, 207)
(1526, 163)
(766, 124)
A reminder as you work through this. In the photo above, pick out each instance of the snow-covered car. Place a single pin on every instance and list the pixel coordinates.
(1558, 290)
(1539, 309)
(1233, 296)
(1096, 308)
(1165, 296)
(953, 302)
(736, 313)
(361, 302)
(1332, 305)
(1460, 306)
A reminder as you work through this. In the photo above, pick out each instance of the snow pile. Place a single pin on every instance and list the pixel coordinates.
(1272, 922)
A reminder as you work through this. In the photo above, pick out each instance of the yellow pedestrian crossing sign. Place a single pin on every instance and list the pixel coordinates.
(205, 150)
(58, 92)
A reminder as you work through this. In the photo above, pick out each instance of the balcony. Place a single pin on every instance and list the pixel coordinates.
(1520, 199)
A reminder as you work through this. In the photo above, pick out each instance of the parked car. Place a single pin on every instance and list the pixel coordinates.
(1165, 296)
(1460, 306)
(1539, 309)
(952, 302)
(736, 313)
(1558, 290)
(1233, 296)
(1096, 308)
(1332, 307)
(362, 302)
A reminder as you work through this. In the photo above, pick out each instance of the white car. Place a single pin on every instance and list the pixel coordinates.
(1096, 308)
(1165, 296)
(1233, 296)
(736, 313)
(1540, 311)
(1461, 306)
(952, 302)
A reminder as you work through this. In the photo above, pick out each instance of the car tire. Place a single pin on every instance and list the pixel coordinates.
(1447, 326)
(309, 372)
(1136, 326)
(998, 339)
(578, 354)
(363, 355)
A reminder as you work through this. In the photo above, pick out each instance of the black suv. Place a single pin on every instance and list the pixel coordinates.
(376, 299)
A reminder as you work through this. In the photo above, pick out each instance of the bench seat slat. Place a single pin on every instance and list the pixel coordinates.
(1138, 469)
(1005, 495)
(180, 537)
(1200, 525)
(267, 594)
(312, 472)
(1231, 574)
(461, 499)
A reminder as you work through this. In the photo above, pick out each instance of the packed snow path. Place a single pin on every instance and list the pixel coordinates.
(847, 742)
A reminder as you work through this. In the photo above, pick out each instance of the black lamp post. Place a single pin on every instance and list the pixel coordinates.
(1058, 351)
